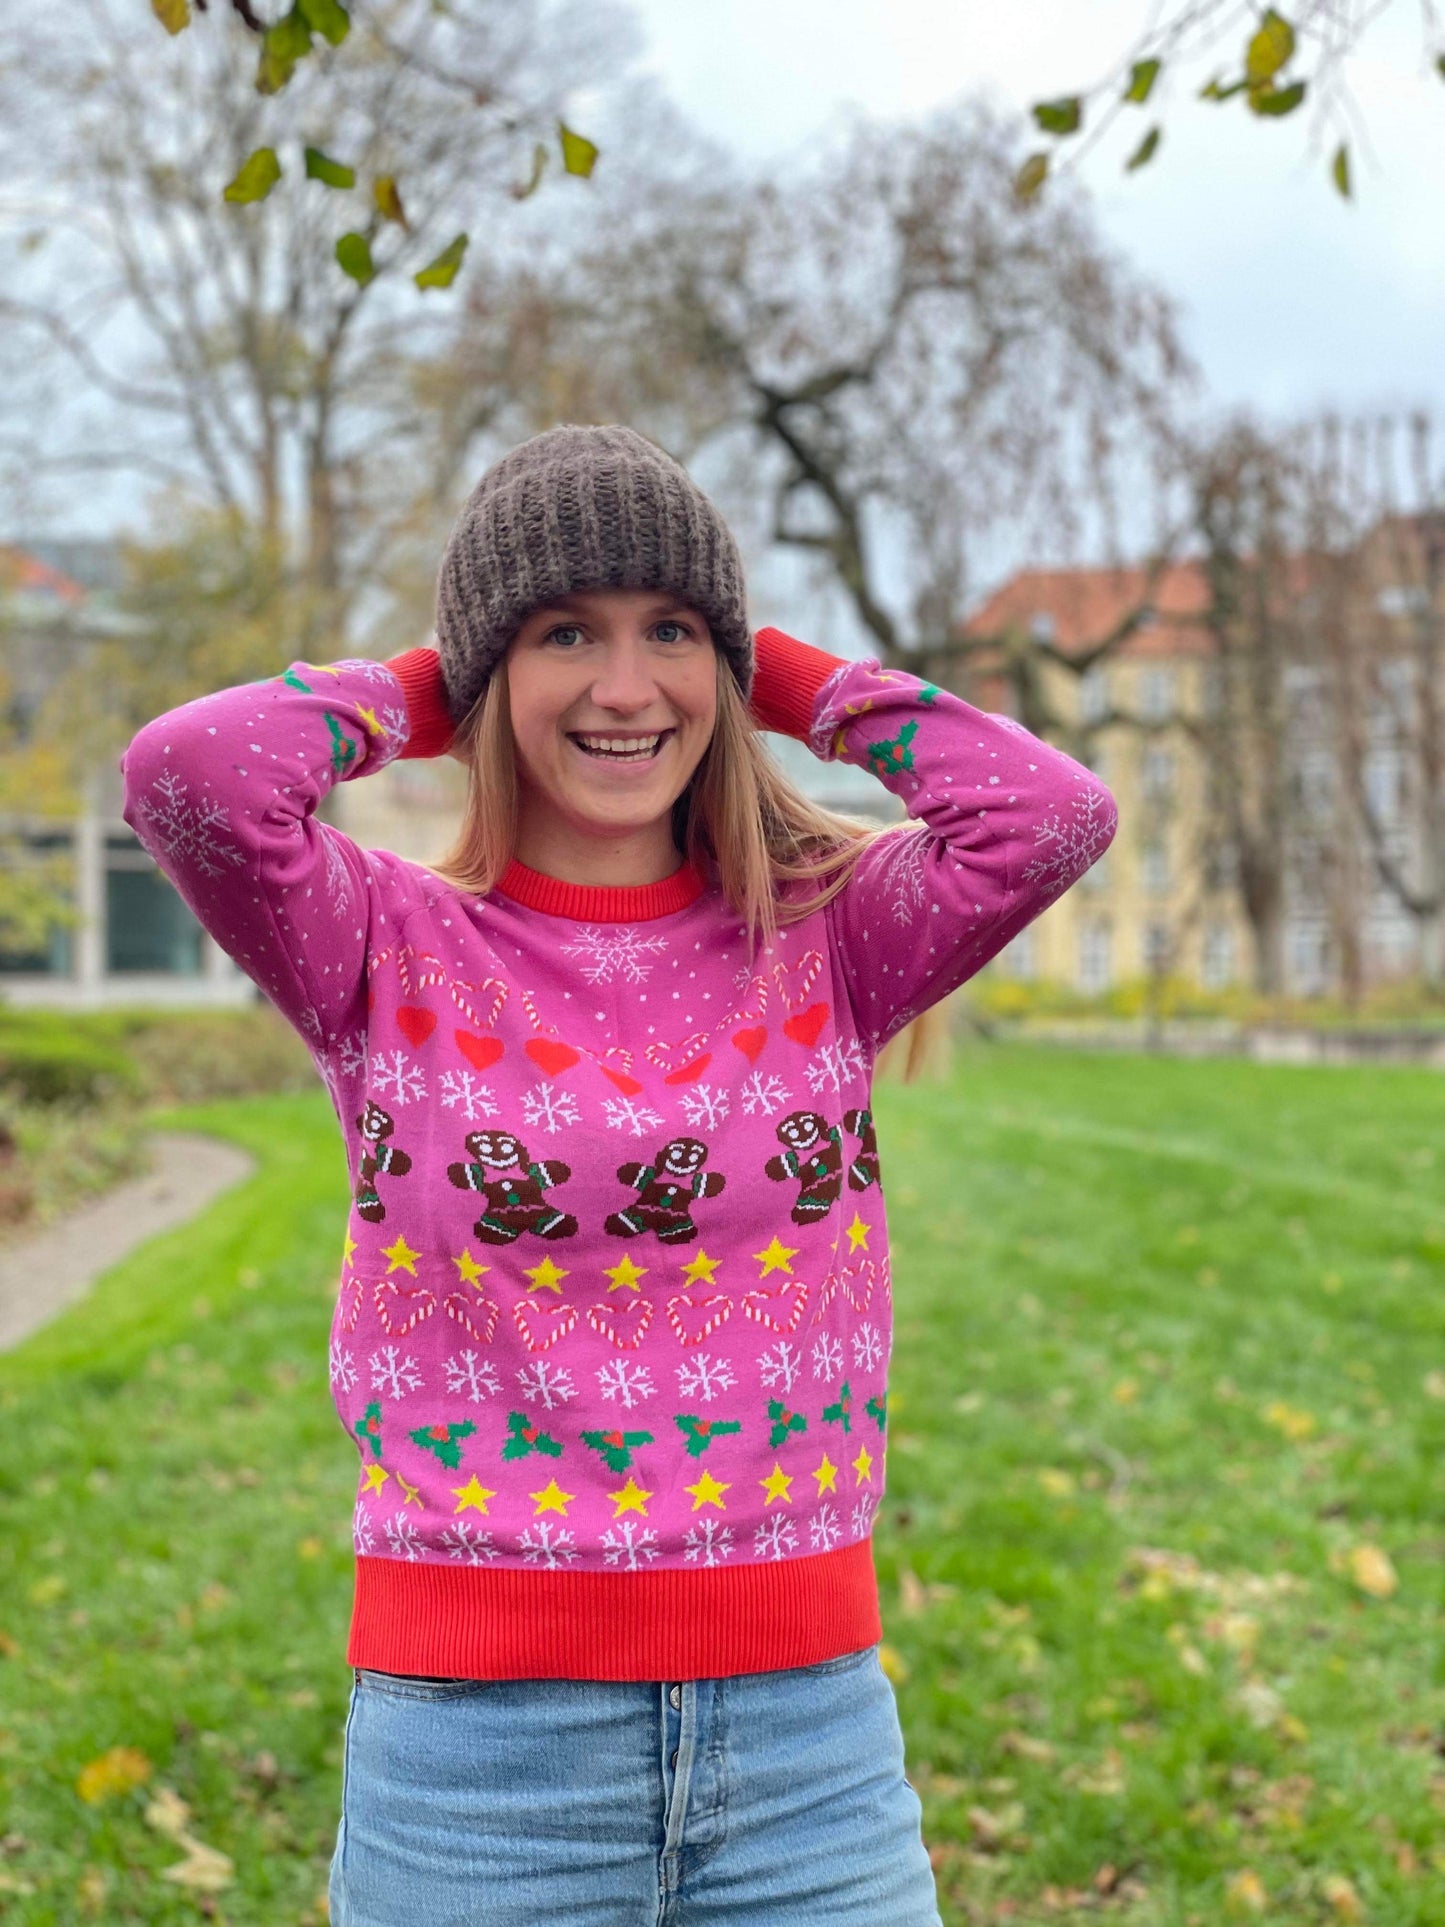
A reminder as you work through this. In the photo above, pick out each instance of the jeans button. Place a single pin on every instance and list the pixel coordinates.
(674, 1695)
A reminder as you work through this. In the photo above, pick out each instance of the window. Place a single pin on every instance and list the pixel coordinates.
(1158, 948)
(1309, 958)
(1154, 867)
(1401, 600)
(1156, 693)
(50, 851)
(1390, 932)
(147, 924)
(1221, 866)
(1384, 779)
(1211, 689)
(1217, 961)
(1094, 694)
(1157, 775)
(1095, 971)
(1020, 959)
(1314, 783)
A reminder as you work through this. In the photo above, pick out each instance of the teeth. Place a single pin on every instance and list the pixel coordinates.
(624, 744)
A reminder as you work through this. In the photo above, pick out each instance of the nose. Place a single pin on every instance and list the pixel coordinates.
(624, 681)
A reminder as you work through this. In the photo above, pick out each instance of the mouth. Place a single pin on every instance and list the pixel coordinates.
(618, 748)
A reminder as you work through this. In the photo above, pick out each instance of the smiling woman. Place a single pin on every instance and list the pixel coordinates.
(620, 1401)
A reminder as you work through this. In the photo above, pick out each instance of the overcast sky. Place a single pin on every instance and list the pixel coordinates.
(1292, 298)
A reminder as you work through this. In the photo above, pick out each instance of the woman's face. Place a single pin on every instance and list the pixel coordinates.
(613, 699)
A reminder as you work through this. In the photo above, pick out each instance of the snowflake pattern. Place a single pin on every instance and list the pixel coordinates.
(867, 1347)
(827, 1356)
(825, 1528)
(623, 1114)
(394, 1073)
(538, 1544)
(907, 858)
(764, 1091)
(626, 1381)
(614, 956)
(703, 1376)
(1072, 843)
(834, 1066)
(342, 1367)
(463, 1540)
(709, 1540)
(544, 1104)
(862, 1516)
(552, 1384)
(627, 1544)
(464, 1091)
(705, 1106)
(775, 1538)
(362, 1536)
(472, 1374)
(392, 1374)
(188, 830)
(337, 877)
(350, 1053)
(402, 1537)
(779, 1368)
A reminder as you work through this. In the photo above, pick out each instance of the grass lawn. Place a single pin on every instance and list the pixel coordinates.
(1161, 1552)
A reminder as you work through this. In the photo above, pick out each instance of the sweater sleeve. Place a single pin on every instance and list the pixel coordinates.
(1003, 823)
(223, 793)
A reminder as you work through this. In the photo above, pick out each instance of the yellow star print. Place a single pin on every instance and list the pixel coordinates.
(552, 1498)
(858, 1233)
(546, 1276)
(778, 1486)
(707, 1491)
(630, 1498)
(863, 1466)
(468, 1270)
(701, 1269)
(472, 1494)
(401, 1256)
(624, 1273)
(368, 716)
(777, 1257)
(376, 1477)
(348, 1250)
(826, 1473)
(413, 1496)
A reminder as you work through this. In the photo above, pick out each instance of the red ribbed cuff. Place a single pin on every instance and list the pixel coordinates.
(786, 679)
(420, 675)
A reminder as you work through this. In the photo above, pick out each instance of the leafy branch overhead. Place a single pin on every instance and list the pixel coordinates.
(1268, 81)
(295, 35)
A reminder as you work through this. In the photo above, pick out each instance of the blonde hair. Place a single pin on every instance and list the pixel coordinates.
(777, 856)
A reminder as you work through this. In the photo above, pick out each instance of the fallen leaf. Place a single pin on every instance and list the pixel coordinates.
(167, 1812)
(1244, 1892)
(1058, 1484)
(1261, 1703)
(1289, 1419)
(1435, 1384)
(1372, 1572)
(116, 1771)
(1342, 1895)
(1126, 1391)
(1026, 1747)
(895, 1666)
(204, 1870)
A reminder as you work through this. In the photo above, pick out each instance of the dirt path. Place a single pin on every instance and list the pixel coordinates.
(42, 1275)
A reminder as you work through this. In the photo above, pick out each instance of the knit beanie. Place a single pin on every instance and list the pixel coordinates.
(580, 507)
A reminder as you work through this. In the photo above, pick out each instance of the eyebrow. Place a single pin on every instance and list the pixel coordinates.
(572, 604)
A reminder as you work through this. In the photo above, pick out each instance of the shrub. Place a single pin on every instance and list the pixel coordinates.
(51, 1064)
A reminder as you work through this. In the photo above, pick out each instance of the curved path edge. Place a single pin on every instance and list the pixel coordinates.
(53, 1268)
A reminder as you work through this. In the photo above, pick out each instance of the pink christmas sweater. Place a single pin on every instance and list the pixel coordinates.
(612, 1332)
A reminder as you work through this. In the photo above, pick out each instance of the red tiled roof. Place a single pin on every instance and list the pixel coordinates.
(20, 571)
(1085, 605)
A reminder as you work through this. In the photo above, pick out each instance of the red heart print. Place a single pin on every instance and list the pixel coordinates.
(624, 1325)
(393, 1300)
(550, 1056)
(478, 1051)
(750, 1042)
(542, 1325)
(690, 1073)
(804, 1028)
(477, 1315)
(858, 1282)
(695, 1315)
(780, 1307)
(795, 980)
(348, 1304)
(415, 1023)
(628, 1086)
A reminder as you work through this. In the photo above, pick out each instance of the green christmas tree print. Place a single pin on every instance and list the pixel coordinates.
(877, 1410)
(368, 1428)
(444, 1440)
(893, 752)
(843, 1410)
(616, 1447)
(700, 1432)
(527, 1439)
(784, 1421)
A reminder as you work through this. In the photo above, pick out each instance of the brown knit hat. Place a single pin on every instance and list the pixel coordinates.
(574, 508)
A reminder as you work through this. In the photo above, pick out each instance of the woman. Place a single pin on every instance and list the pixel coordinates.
(614, 1319)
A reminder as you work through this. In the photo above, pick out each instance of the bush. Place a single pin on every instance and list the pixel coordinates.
(49, 1064)
(194, 1055)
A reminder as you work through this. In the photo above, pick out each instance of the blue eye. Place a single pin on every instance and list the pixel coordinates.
(561, 629)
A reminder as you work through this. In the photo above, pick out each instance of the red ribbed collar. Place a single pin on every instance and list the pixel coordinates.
(602, 902)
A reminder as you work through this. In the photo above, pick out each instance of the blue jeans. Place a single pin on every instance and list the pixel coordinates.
(759, 1800)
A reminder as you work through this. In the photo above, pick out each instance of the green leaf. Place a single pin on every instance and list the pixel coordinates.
(1142, 77)
(388, 200)
(539, 162)
(1269, 48)
(353, 251)
(1440, 65)
(258, 174)
(1144, 152)
(174, 15)
(1276, 101)
(284, 44)
(1340, 169)
(1031, 176)
(333, 173)
(1216, 90)
(579, 156)
(442, 272)
(326, 17)
(1059, 116)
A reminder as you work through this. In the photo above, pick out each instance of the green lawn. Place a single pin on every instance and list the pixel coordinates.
(1161, 1553)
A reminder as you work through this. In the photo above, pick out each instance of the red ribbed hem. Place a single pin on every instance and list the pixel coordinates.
(603, 902)
(477, 1622)
(420, 675)
(787, 678)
